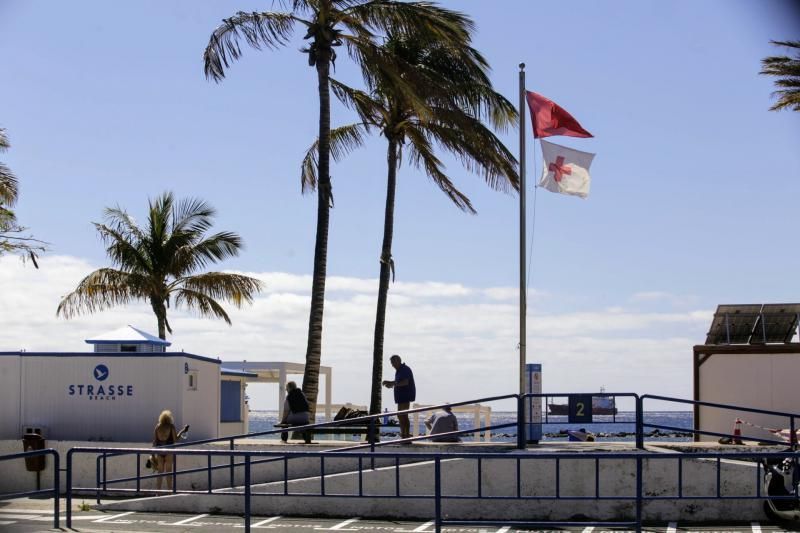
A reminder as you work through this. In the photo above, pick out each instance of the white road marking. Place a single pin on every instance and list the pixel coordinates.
(114, 517)
(15, 516)
(503, 529)
(423, 527)
(63, 517)
(588, 529)
(186, 521)
(260, 524)
(672, 527)
(756, 527)
(340, 526)
(24, 511)
(7, 522)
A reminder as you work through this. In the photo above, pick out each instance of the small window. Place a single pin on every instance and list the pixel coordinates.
(127, 348)
(192, 383)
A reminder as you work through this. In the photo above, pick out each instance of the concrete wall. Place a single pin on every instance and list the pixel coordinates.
(761, 381)
(498, 478)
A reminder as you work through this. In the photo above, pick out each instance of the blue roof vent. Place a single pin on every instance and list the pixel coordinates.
(128, 339)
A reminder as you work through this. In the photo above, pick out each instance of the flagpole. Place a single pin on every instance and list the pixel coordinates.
(522, 255)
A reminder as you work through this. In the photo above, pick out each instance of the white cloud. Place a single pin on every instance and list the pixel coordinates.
(460, 341)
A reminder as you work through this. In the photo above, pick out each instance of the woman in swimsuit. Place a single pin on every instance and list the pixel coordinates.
(164, 435)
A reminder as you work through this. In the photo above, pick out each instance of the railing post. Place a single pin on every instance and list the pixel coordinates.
(56, 489)
(792, 434)
(639, 423)
(69, 489)
(247, 493)
(138, 472)
(232, 461)
(521, 440)
(97, 461)
(372, 436)
(638, 493)
(438, 493)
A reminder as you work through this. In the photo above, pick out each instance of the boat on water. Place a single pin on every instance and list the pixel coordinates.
(601, 405)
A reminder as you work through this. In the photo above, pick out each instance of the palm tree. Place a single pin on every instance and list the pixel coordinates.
(451, 95)
(13, 236)
(787, 70)
(8, 183)
(156, 263)
(329, 24)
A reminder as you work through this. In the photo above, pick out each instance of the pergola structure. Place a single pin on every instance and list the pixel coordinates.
(277, 372)
(749, 359)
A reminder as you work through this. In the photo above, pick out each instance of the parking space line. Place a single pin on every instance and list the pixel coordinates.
(340, 526)
(421, 528)
(7, 522)
(20, 516)
(262, 523)
(25, 511)
(756, 526)
(588, 529)
(672, 527)
(503, 529)
(113, 517)
(186, 521)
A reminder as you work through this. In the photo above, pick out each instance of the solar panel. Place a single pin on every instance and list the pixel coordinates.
(777, 323)
(733, 324)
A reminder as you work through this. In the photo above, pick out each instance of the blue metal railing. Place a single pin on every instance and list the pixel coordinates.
(637, 495)
(792, 418)
(371, 421)
(54, 491)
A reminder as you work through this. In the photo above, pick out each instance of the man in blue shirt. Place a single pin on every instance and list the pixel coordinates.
(405, 392)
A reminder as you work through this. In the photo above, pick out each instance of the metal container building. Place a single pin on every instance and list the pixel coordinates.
(116, 392)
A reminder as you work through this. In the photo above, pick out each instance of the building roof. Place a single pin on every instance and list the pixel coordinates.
(127, 335)
(233, 372)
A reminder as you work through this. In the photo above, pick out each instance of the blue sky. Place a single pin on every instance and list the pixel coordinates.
(693, 203)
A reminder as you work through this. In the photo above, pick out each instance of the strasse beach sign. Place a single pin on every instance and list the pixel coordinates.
(99, 389)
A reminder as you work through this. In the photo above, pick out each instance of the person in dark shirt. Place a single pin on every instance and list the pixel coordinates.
(405, 392)
(295, 410)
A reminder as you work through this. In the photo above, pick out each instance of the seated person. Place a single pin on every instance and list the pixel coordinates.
(295, 410)
(443, 421)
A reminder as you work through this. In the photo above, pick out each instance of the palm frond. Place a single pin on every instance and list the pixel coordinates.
(212, 249)
(425, 20)
(9, 186)
(343, 140)
(192, 216)
(205, 305)
(259, 30)
(124, 252)
(422, 156)
(102, 289)
(787, 70)
(201, 292)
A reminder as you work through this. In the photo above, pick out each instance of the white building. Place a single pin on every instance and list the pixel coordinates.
(116, 392)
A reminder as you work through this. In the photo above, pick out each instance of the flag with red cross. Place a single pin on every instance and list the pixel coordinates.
(565, 171)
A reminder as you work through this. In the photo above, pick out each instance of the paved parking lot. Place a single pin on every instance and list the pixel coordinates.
(28, 520)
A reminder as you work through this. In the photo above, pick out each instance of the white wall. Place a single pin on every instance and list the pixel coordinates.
(762, 381)
(9, 396)
(200, 407)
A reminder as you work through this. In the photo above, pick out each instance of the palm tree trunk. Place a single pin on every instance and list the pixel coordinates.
(314, 346)
(161, 315)
(383, 282)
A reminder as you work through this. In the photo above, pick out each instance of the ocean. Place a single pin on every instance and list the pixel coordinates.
(622, 427)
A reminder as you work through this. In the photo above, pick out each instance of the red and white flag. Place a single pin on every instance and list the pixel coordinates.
(548, 118)
(566, 171)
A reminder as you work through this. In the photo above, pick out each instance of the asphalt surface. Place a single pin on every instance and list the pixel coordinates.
(35, 518)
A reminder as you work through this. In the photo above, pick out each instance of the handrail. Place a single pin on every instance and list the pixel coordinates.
(791, 416)
(55, 491)
(361, 420)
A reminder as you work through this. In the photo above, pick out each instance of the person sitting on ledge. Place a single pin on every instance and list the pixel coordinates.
(443, 421)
